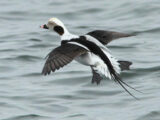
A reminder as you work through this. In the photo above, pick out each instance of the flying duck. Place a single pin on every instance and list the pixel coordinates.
(89, 50)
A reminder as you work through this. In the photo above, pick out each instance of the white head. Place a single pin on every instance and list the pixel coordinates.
(54, 24)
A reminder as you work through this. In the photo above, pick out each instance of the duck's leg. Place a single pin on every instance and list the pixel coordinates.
(96, 77)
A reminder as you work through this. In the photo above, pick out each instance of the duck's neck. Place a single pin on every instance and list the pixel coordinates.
(67, 35)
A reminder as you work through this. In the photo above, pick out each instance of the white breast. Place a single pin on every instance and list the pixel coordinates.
(88, 59)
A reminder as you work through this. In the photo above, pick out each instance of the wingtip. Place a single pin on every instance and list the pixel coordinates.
(43, 73)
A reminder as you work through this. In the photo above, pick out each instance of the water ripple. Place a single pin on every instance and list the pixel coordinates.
(68, 94)
(27, 117)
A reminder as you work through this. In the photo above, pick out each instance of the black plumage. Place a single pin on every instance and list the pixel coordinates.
(107, 36)
(61, 56)
(97, 51)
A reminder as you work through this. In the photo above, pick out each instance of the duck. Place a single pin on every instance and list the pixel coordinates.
(88, 49)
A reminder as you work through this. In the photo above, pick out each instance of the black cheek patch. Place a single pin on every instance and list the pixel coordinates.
(59, 30)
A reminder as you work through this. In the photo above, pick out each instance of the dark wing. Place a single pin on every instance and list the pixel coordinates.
(61, 56)
(107, 36)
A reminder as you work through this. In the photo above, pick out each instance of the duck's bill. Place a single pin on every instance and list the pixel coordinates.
(44, 26)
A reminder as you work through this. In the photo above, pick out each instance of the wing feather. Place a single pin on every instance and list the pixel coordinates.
(61, 56)
(107, 36)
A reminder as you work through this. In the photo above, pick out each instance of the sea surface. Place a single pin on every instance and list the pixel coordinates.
(68, 94)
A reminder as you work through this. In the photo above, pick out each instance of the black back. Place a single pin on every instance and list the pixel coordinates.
(96, 50)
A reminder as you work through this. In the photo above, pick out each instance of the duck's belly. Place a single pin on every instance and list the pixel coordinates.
(88, 59)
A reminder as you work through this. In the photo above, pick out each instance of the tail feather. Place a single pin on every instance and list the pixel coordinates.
(125, 65)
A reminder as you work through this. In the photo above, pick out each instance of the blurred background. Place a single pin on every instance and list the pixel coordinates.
(68, 93)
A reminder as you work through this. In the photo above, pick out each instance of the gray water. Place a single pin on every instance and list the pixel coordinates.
(68, 93)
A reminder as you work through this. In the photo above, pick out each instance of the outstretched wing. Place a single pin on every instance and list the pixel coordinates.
(61, 56)
(107, 36)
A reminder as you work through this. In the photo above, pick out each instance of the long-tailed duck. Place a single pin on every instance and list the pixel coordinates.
(89, 50)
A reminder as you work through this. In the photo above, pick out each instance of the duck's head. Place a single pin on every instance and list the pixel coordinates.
(54, 24)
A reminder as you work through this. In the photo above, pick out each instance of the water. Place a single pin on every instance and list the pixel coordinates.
(68, 93)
